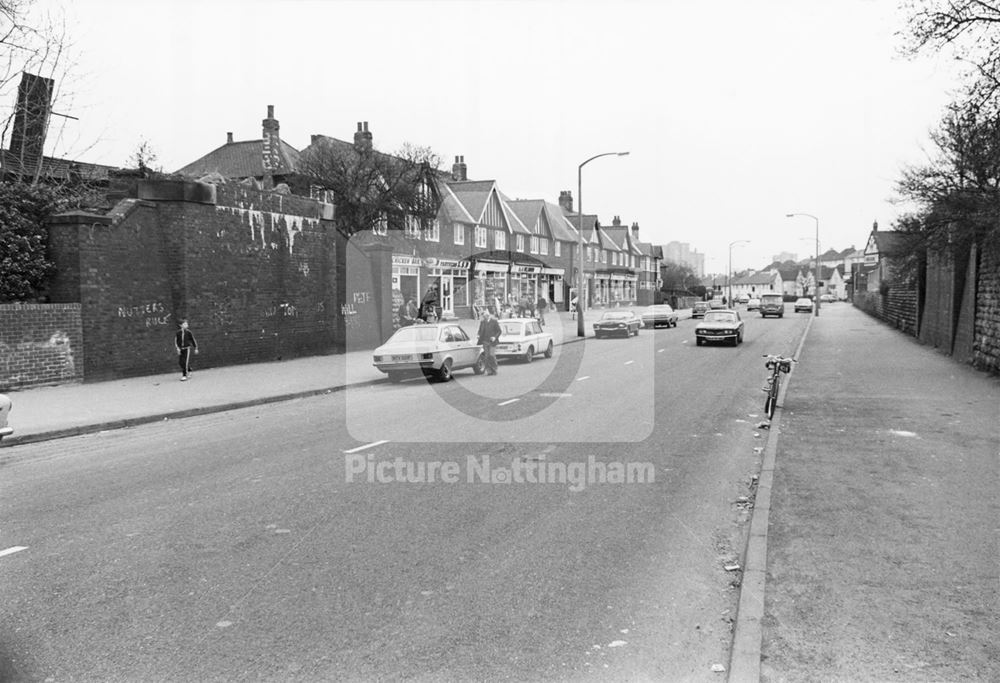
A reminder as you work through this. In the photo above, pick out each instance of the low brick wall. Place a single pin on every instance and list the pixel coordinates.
(40, 344)
(897, 308)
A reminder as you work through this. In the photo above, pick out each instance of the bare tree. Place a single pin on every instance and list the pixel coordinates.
(971, 30)
(374, 191)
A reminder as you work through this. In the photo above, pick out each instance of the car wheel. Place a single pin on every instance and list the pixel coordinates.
(548, 350)
(739, 339)
(395, 377)
(699, 341)
(444, 374)
(529, 355)
(480, 366)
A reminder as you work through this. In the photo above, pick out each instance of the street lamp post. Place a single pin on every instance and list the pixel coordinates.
(816, 276)
(581, 306)
(729, 275)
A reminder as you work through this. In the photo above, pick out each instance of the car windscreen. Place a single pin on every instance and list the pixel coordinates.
(511, 328)
(415, 334)
(659, 309)
(720, 317)
(616, 316)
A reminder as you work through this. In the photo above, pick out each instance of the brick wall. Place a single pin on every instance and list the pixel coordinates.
(986, 343)
(254, 272)
(897, 306)
(40, 344)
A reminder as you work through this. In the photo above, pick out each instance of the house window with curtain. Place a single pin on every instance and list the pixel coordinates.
(500, 239)
(432, 233)
(480, 237)
(459, 231)
(520, 242)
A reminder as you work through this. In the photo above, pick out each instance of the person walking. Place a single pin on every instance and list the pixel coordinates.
(488, 337)
(430, 305)
(540, 307)
(185, 342)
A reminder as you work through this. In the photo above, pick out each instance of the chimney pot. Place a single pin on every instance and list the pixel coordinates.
(229, 138)
(366, 126)
(359, 126)
(270, 111)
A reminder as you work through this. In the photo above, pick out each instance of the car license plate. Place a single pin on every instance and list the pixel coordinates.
(403, 357)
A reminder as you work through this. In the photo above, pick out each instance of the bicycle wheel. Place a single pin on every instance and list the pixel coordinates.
(772, 399)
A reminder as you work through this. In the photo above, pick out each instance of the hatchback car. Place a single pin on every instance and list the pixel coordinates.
(617, 322)
(659, 314)
(523, 338)
(436, 350)
(803, 305)
(699, 309)
(827, 298)
(724, 326)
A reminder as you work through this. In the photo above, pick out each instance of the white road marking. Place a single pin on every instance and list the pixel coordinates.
(508, 402)
(580, 379)
(11, 551)
(546, 395)
(660, 350)
(368, 445)
(629, 362)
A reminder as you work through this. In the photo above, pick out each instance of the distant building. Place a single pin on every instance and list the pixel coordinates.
(681, 252)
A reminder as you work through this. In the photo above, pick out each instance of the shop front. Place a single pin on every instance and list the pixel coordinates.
(452, 278)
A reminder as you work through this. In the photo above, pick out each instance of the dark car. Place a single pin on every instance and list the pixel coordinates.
(699, 309)
(617, 322)
(659, 314)
(772, 304)
(722, 325)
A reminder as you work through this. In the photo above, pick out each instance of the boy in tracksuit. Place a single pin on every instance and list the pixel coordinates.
(184, 341)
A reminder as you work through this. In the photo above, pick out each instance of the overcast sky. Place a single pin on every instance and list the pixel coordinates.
(734, 112)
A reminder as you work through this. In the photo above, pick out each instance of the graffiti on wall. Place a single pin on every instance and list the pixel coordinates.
(152, 314)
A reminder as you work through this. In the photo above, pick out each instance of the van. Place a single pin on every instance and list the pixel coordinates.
(772, 304)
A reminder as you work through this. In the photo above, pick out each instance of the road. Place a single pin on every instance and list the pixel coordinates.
(234, 546)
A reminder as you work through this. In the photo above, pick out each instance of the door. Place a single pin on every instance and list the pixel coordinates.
(447, 297)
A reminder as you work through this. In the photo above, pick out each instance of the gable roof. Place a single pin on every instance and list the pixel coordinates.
(243, 159)
(762, 278)
(885, 242)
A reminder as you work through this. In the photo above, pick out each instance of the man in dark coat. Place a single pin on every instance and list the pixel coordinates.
(430, 308)
(488, 338)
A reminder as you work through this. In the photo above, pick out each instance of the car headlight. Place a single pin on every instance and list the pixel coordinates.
(379, 359)
(427, 356)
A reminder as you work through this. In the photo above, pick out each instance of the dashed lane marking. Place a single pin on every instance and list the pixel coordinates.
(629, 362)
(580, 379)
(555, 395)
(508, 402)
(367, 446)
(11, 551)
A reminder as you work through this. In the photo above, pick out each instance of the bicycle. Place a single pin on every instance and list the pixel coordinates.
(776, 365)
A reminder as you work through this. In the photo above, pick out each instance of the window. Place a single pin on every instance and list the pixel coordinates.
(534, 244)
(543, 246)
(411, 227)
(520, 242)
(480, 237)
(557, 249)
(432, 233)
(604, 257)
(500, 239)
(459, 230)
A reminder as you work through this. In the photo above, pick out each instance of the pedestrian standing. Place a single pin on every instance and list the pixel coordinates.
(408, 313)
(488, 338)
(430, 308)
(540, 307)
(573, 305)
(185, 342)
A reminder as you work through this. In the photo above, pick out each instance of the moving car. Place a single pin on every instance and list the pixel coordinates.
(5, 406)
(617, 322)
(753, 304)
(772, 304)
(743, 298)
(699, 309)
(827, 298)
(659, 314)
(803, 304)
(725, 325)
(523, 338)
(435, 349)
(716, 305)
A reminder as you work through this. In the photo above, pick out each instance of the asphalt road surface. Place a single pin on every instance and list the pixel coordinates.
(279, 543)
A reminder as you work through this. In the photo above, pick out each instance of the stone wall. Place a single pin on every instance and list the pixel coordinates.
(40, 344)
(986, 342)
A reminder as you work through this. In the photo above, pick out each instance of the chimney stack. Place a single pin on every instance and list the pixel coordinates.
(271, 146)
(566, 200)
(229, 138)
(362, 138)
(31, 118)
(635, 232)
(459, 171)
(616, 221)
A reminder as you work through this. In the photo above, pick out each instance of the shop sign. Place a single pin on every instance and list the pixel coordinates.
(398, 260)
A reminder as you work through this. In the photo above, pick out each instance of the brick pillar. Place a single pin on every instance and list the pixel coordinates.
(380, 256)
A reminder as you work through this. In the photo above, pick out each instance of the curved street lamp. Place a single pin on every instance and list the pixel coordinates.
(729, 275)
(816, 277)
(581, 306)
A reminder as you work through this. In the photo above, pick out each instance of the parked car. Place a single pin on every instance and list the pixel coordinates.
(716, 305)
(699, 309)
(753, 304)
(803, 305)
(659, 314)
(435, 349)
(5, 405)
(523, 338)
(827, 298)
(743, 298)
(617, 322)
(772, 304)
(724, 325)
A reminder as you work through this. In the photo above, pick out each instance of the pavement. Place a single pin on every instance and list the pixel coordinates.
(52, 412)
(871, 552)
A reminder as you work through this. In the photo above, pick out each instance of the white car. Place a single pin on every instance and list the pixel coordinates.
(753, 304)
(803, 304)
(523, 338)
(436, 350)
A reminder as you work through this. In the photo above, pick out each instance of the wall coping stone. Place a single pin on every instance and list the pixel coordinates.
(177, 191)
